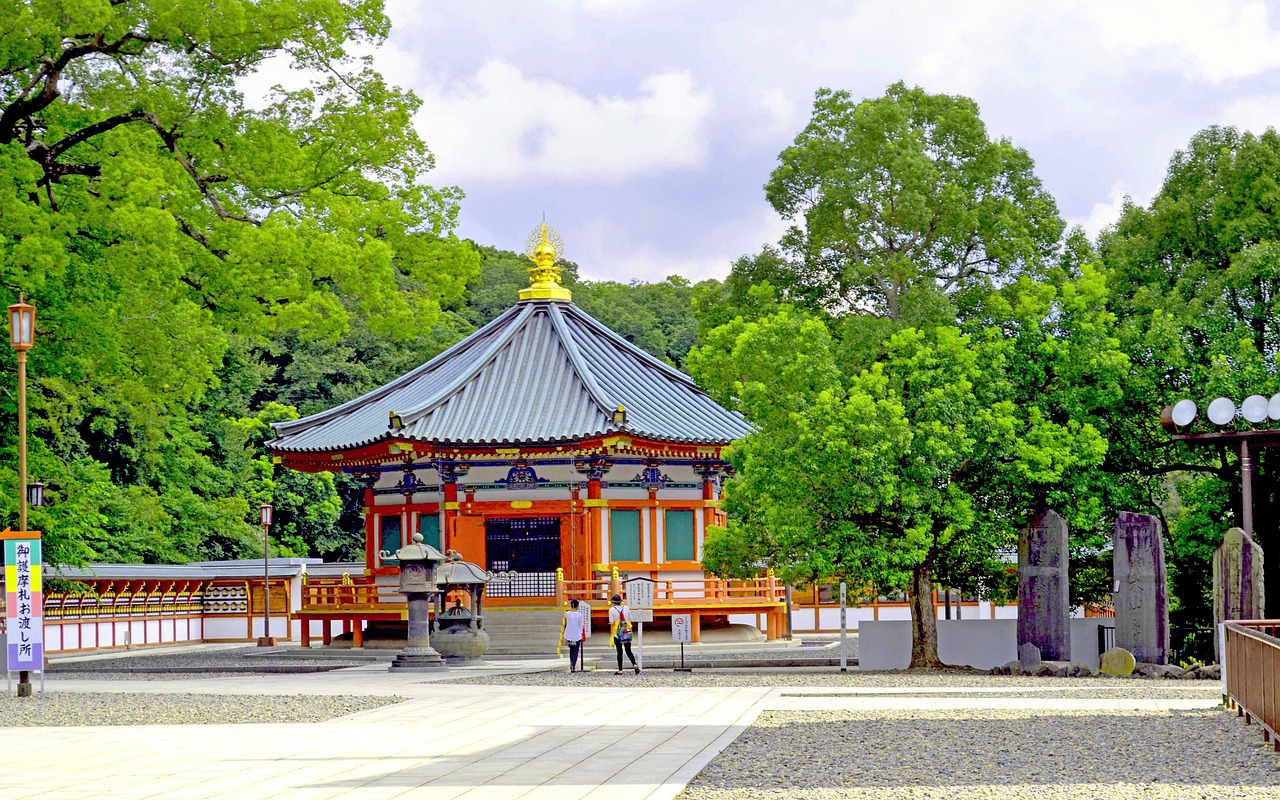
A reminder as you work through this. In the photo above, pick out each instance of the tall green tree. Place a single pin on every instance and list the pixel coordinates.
(1196, 276)
(903, 197)
(163, 225)
(942, 383)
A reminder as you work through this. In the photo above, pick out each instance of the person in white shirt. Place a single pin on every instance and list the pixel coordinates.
(620, 632)
(573, 630)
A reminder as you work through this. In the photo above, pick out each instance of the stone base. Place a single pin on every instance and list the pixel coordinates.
(268, 641)
(418, 659)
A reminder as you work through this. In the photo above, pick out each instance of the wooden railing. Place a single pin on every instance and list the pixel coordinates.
(321, 594)
(362, 593)
(681, 592)
(1253, 674)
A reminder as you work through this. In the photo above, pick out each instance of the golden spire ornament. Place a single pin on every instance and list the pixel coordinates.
(543, 248)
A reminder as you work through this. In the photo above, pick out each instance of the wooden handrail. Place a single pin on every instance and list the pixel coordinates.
(683, 591)
(335, 594)
(1253, 673)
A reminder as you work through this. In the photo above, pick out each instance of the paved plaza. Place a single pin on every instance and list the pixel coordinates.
(525, 734)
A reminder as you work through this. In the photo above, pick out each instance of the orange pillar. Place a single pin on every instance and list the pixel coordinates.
(595, 521)
(449, 486)
(708, 495)
(653, 527)
(370, 527)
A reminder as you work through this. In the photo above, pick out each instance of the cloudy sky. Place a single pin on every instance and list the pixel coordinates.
(645, 129)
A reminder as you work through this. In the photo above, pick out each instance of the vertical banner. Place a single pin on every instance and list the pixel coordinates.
(24, 616)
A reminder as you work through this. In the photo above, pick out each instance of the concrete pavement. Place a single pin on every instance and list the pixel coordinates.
(446, 741)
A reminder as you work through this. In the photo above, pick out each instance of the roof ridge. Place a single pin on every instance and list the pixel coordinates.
(633, 349)
(579, 363)
(447, 390)
(292, 426)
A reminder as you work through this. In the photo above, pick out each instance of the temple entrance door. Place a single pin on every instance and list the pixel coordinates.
(527, 546)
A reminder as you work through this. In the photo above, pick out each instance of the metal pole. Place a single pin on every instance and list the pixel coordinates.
(640, 645)
(1246, 488)
(844, 630)
(24, 676)
(22, 440)
(266, 586)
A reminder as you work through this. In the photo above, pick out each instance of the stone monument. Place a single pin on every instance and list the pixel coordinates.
(418, 583)
(1044, 604)
(1141, 588)
(1237, 580)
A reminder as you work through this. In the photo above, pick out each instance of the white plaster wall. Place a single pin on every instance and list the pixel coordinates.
(227, 627)
(976, 643)
(685, 583)
(1006, 612)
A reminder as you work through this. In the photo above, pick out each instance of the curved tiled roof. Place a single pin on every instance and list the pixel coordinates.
(542, 372)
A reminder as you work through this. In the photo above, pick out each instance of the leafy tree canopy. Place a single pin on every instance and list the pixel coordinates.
(902, 194)
(174, 236)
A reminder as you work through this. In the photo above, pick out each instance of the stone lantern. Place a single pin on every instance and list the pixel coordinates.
(418, 584)
(459, 631)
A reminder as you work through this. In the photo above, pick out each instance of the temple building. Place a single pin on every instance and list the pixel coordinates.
(545, 448)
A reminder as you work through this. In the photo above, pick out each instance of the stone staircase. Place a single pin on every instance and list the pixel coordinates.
(517, 632)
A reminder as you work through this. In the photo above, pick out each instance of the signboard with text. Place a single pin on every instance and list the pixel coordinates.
(24, 616)
(639, 592)
(682, 627)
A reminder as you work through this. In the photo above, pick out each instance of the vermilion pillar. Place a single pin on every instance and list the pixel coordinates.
(370, 520)
(595, 524)
(449, 474)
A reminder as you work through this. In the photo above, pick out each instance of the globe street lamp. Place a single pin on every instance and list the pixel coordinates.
(265, 518)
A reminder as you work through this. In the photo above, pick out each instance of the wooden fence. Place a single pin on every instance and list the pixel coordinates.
(1253, 674)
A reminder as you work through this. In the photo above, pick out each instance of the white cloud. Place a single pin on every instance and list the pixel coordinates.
(503, 125)
(1218, 41)
(1254, 114)
(782, 116)
(596, 6)
(1107, 212)
(708, 253)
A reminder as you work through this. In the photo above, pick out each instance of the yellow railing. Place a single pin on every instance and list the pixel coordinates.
(1253, 674)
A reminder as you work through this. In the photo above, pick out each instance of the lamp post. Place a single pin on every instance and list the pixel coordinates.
(22, 327)
(265, 517)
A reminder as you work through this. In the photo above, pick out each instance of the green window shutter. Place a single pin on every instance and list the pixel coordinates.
(429, 527)
(679, 536)
(389, 524)
(624, 535)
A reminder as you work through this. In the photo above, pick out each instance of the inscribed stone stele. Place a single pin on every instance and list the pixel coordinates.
(1044, 607)
(1142, 591)
(1237, 580)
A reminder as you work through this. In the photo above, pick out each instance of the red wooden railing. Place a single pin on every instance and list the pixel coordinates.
(1253, 674)
(681, 592)
(320, 594)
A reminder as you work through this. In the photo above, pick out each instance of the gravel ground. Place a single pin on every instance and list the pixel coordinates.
(993, 755)
(926, 681)
(101, 708)
(200, 663)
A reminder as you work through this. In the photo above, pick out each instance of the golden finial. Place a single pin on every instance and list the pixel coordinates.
(543, 248)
